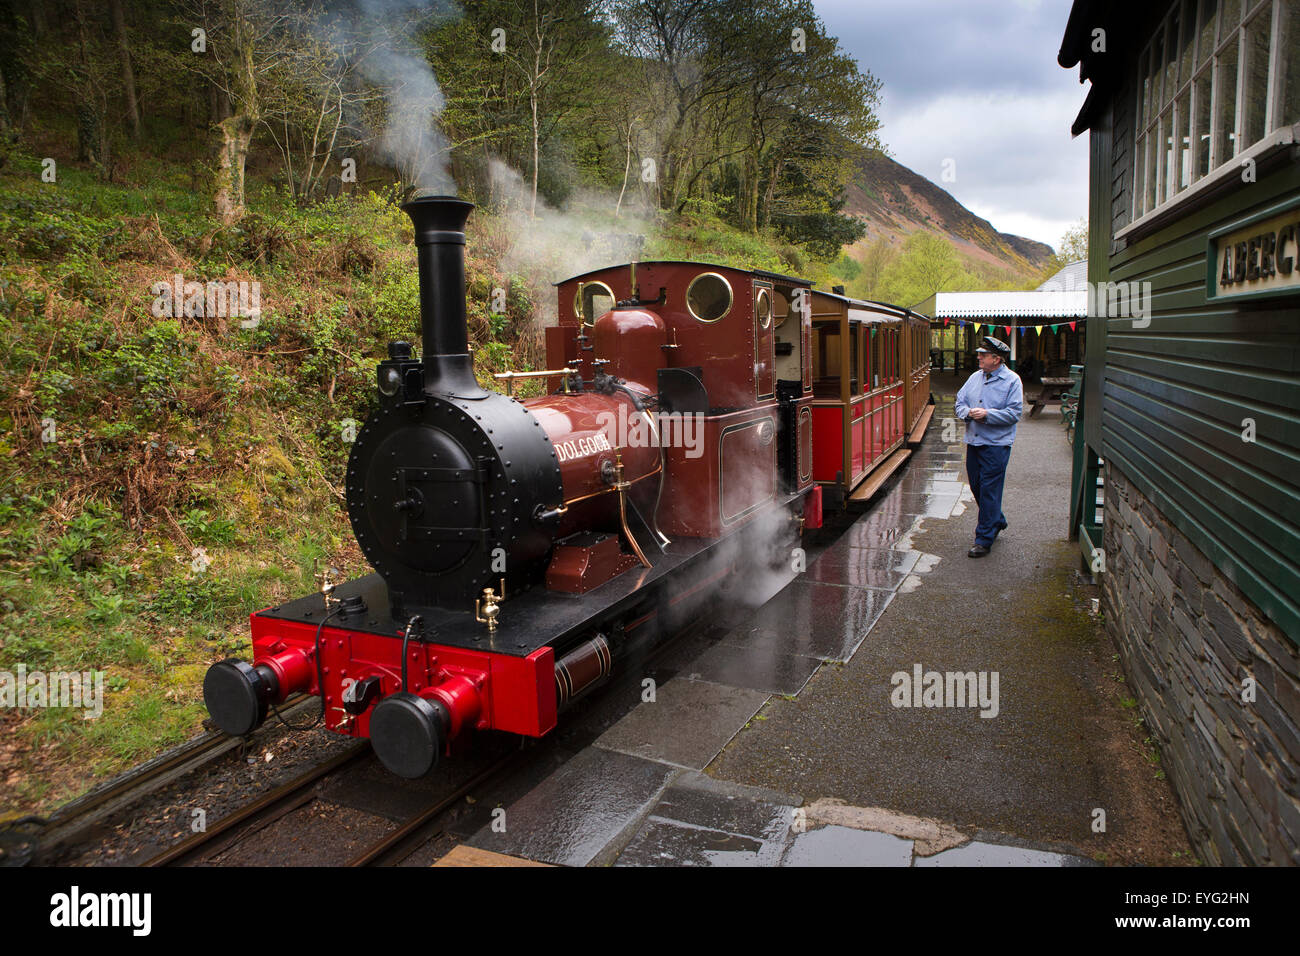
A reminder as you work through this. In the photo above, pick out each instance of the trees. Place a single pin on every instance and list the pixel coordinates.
(757, 101)
(927, 264)
(746, 109)
(234, 48)
(519, 73)
(1073, 247)
(558, 40)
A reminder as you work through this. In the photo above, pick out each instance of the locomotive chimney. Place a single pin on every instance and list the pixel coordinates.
(440, 254)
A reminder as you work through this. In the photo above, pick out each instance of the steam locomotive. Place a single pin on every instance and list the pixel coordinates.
(524, 550)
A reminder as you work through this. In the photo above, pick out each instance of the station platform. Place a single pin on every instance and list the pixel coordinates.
(780, 737)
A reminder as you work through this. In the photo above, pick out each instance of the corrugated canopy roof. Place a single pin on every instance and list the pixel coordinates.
(1070, 279)
(1020, 305)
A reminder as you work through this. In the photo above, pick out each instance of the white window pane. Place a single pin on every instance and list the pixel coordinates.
(1168, 155)
(1226, 81)
(1289, 63)
(1255, 92)
(1182, 119)
(1205, 45)
(1201, 104)
(1186, 45)
(1149, 202)
(1140, 177)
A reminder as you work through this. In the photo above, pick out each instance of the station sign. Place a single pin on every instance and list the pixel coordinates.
(1256, 259)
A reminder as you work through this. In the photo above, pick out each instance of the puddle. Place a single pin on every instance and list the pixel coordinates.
(910, 584)
(925, 563)
(842, 846)
(993, 854)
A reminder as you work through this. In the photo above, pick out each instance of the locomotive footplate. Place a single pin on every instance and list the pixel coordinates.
(530, 620)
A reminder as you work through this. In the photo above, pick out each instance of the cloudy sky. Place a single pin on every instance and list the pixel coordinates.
(976, 81)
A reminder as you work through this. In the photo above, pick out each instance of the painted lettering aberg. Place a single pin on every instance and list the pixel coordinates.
(1259, 258)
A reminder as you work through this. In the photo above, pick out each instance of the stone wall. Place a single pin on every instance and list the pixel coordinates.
(1189, 640)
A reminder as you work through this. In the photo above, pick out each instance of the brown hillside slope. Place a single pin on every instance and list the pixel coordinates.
(894, 202)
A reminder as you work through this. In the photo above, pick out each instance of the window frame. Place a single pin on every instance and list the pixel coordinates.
(1156, 106)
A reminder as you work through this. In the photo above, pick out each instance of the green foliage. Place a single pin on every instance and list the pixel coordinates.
(152, 365)
(201, 597)
(46, 226)
(396, 305)
(205, 529)
(927, 264)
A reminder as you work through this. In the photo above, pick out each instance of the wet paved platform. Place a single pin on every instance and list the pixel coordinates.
(772, 739)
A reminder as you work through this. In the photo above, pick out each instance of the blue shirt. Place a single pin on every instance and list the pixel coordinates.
(1002, 396)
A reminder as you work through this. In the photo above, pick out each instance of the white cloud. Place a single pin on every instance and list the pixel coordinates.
(976, 81)
(1011, 153)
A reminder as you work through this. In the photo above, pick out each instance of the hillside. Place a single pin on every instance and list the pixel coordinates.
(893, 202)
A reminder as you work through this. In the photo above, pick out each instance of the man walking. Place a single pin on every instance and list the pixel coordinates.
(990, 403)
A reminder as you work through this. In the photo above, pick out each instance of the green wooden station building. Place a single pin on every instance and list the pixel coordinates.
(1190, 418)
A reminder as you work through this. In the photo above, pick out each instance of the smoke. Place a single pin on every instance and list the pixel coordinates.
(540, 243)
(547, 244)
(411, 141)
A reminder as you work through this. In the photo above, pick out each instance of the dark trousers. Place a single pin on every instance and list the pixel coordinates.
(986, 469)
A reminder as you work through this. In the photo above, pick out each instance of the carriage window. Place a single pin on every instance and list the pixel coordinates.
(826, 359)
(709, 297)
(855, 349)
(592, 300)
(763, 308)
(869, 355)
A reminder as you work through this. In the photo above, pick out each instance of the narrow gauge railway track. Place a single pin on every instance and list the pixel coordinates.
(71, 822)
(413, 834)
(298, 794)
(260, 813)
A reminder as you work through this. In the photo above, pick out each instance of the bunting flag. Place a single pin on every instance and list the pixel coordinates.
(1008, 329)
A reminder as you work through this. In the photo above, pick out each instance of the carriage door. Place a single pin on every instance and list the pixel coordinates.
(764, 342)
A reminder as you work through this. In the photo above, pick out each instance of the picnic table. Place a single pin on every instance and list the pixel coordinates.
(1053, 389)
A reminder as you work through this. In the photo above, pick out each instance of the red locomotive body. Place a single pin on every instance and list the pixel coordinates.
(522, 548)
(730, 338)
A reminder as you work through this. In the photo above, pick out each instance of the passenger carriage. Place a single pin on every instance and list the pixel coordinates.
(871, 393)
